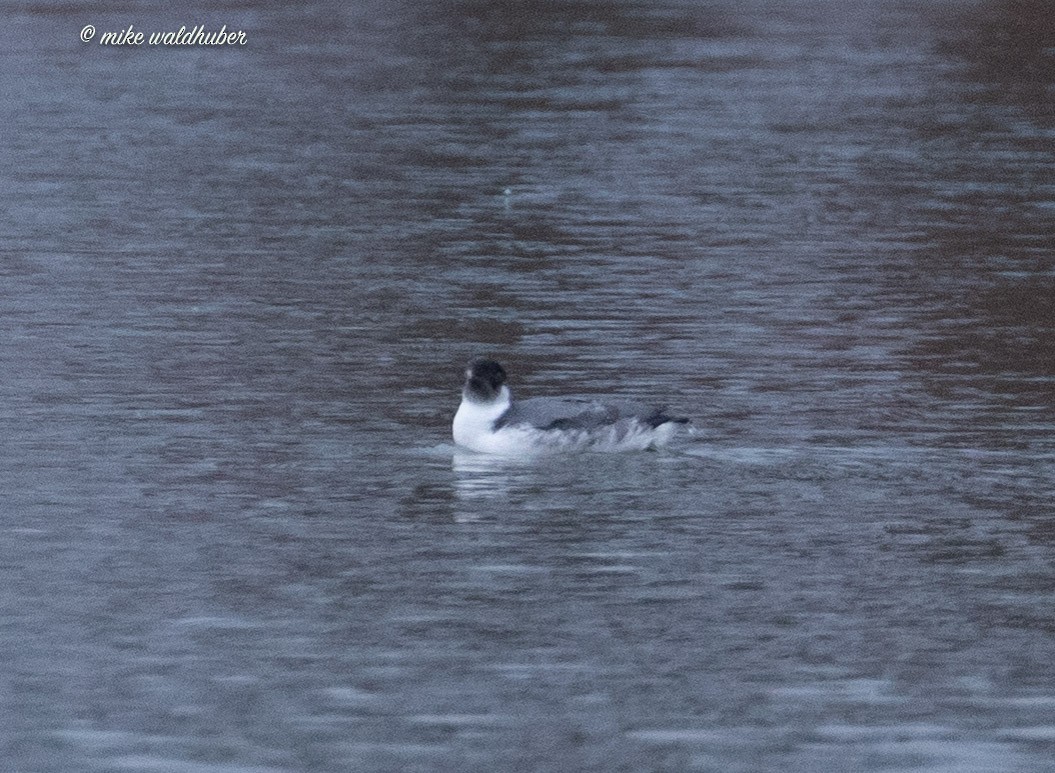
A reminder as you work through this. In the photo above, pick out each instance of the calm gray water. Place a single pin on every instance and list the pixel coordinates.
(238, 291)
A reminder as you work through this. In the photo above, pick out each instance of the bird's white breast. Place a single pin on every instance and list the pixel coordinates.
(474, 422)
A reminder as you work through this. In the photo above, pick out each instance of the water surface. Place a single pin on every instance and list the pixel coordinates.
(239, 288)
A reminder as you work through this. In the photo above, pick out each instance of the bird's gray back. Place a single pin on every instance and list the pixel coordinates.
(581, 413)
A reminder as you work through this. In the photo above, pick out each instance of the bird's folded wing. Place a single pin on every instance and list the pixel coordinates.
(575, 413)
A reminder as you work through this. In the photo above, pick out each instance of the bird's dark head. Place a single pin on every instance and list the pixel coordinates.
(483, 380)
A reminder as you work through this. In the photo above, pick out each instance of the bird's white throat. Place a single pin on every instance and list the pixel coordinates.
(475, 420)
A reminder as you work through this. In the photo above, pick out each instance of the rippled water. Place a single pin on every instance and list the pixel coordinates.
(239, 288)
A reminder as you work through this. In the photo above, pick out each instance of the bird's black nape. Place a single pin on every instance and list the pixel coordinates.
(483, 380)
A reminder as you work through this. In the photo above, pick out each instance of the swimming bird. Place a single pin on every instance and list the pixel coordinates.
(489, 420)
